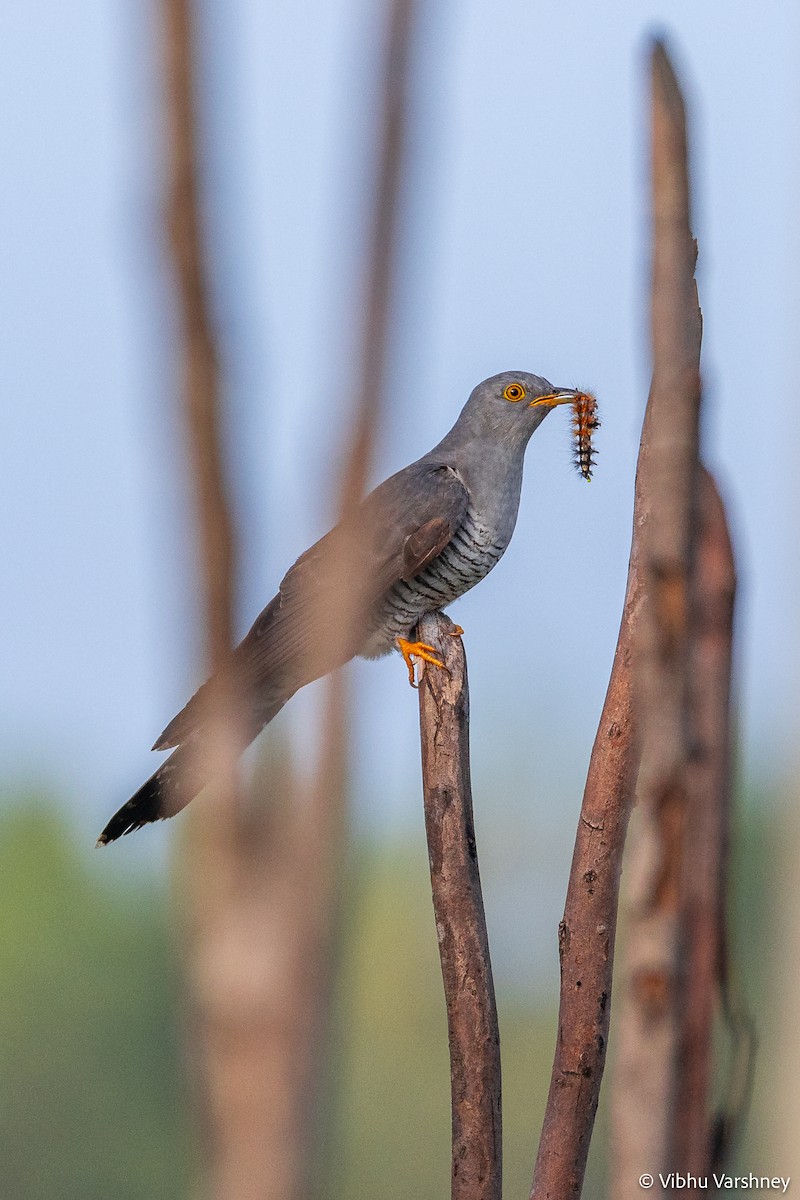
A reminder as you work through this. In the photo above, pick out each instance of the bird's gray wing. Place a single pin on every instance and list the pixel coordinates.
(408, 521)
(400, 528)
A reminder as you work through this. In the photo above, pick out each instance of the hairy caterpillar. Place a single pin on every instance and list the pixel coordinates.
(584, 423)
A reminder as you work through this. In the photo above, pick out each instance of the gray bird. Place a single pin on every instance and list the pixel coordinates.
(420, 540)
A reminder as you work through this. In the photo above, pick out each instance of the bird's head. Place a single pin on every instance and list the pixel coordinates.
(508, 407)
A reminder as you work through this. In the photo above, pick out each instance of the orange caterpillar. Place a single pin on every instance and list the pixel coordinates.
(584, 423)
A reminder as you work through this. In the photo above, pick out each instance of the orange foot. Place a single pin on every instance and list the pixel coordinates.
(456, 631)
(420, 650)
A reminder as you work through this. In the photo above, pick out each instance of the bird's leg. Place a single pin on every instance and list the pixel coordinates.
(456, 631)
(410, 650)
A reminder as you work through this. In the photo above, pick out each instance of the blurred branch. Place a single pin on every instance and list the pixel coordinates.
(324, 816)
(199, 366)
(649, 1026)
(262, 886)
(381, 259)
(699, 1139)
(200, 391)
(211, 879)
(382, 252)
(460, 922)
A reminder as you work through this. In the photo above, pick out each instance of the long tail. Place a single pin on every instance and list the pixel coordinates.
(143, 807)
(164, 794)
(286, 648)
(176, 782)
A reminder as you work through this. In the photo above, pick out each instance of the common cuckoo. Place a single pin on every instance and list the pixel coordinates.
(420, 540)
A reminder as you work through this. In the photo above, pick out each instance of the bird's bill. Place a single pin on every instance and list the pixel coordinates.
(562, 396)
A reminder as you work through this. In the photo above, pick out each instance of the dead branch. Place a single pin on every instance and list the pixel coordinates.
(381, 260)
(198, 352)
(262, 887)
(648, 1027)
(201, 396)
(460, 922)
(322, 820)
(703, 917)
(210, 883)
(382, 250)
(661, 553)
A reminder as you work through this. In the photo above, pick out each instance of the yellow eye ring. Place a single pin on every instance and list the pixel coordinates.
(514, 392)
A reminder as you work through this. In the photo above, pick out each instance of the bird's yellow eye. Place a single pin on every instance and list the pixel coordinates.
(514, 392)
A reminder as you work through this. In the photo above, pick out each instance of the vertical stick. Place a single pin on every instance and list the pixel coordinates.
(460, 921)
(261, 887)
(644, 1093)
(659, 571)
(703, 908)
(198, 352)
(323, 819)
(219, 967)
(392, 132)
(328, 787)
(677, 613)
(210, 877)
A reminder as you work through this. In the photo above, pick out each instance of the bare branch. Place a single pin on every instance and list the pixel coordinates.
(382, 258)
(648, 1029)
(221, 909)
(321, 823)
(659, 569)
(199, 369)
(263, 951)
(214, 886)
(460, 922)
(673, 440)
(704, 940)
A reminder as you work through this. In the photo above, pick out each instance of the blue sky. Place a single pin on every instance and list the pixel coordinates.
(524, 245)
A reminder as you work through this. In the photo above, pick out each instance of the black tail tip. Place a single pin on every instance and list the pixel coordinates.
(141, 809)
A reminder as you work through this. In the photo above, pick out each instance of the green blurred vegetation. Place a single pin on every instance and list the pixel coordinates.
(94, 1103)
(392, 1133)
(91, 1101)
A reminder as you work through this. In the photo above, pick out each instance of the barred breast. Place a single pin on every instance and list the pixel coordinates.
(465, 561)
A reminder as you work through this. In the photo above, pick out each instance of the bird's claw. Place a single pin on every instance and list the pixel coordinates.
(421, 650)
